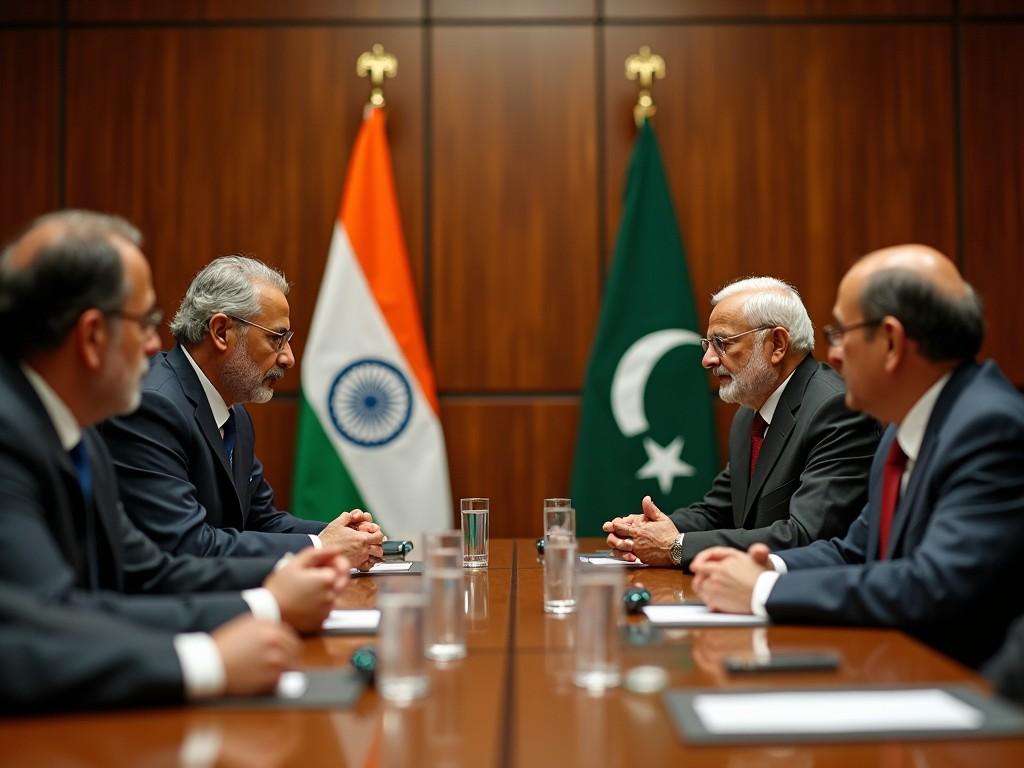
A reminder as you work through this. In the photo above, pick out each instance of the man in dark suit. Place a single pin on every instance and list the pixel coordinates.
(79, 291)
(798, 458)
(59, 658)
(939, 546)
(186, 462)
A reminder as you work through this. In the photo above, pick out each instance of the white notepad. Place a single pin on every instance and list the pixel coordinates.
(386, 568)
(601, 560)
(698, 616)
(803, 712)
(352, 620)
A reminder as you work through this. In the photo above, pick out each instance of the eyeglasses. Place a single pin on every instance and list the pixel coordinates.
(834, 333)
(149, 321)
(283, 337)
(722, 343)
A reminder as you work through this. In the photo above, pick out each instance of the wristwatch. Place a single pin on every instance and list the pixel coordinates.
(675, 552)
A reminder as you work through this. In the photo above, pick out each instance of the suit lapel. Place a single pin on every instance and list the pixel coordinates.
(193, 389)
(104, 508)
(63, 514)
(778, 433)
(241, 467)
(739, 461)
(908, 503)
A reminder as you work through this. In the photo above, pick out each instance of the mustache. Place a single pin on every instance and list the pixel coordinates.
(274, 373)
(721, 371)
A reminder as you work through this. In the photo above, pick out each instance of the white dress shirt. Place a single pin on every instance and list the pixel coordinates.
(909, 435)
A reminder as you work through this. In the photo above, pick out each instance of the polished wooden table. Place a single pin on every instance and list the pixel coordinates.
(511, 702)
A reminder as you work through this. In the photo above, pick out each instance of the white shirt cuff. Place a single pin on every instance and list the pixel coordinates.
(262, 604)
(287, 556)
(762, 588)
(317, 544)
(779, 563)
(201, 665)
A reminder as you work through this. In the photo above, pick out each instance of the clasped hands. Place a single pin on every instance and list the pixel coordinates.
(357, 536)
(724, 577)
(644, 538)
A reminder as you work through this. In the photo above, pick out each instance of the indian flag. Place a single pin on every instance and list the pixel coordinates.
(369, 432)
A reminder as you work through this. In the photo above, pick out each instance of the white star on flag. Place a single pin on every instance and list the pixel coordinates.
(664, 463)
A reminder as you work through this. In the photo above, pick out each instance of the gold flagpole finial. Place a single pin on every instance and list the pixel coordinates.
(376, 64)
(645, 67)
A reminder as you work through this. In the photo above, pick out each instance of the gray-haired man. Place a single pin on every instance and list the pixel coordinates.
(798, 458)
(186, 465)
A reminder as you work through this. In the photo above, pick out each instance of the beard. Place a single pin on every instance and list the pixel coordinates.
(750, 384)
(244, 377)
(127, 384)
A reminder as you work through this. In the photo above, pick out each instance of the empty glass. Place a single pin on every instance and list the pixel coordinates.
(600, 613)
(445, 621)
(401, 673)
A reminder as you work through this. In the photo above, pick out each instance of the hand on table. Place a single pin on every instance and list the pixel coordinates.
(307, 586)
(724, 578)
(647, 537)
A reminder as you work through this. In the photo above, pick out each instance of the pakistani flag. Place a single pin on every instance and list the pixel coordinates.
(646, 425)
(369, 435)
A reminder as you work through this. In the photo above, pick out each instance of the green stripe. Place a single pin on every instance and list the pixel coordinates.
(322, 487)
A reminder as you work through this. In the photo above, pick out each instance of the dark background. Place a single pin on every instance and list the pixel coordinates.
(797, 134)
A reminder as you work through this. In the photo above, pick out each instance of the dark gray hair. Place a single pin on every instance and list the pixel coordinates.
(227, 284)
(76, 269)
(945, 327)
(772, 302)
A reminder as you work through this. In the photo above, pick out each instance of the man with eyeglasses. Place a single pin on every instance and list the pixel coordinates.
(79, 291)
(938, 549)
(798, 458)
(186, 462)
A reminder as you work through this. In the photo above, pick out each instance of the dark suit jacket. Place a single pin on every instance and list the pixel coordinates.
(45, 522)
(1006, 668)
(57, 658)
(956, 547)
(811, 476)
(175, 479)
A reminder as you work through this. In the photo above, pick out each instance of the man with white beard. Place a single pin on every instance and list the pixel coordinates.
(798, 458)
(186, 464)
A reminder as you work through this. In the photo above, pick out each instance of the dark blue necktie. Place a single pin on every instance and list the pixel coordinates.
(80, 458)
(229, 436)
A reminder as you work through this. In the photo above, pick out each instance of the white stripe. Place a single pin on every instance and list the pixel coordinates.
(406, 481)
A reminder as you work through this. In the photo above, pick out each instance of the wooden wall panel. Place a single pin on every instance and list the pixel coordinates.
(991, 8)
(28, 126)
(224, 140)
(516, 451)
(791, 150)
(723, 9)
(29, 10)
(274, 423)
(515, 282)
(233, 10)
(520, 9)
(993, 136)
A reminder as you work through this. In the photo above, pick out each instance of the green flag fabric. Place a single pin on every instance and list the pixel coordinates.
(647, 425)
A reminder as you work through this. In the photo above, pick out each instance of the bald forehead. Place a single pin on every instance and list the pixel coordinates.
(34, 241)
(922, 260)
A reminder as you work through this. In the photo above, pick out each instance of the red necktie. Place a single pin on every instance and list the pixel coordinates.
(757, 430)
(892, 475)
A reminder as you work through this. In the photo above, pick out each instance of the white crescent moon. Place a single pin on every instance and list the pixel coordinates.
(632, 372)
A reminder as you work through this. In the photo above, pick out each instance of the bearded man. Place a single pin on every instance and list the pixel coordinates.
(186, 464)
(798, 457)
